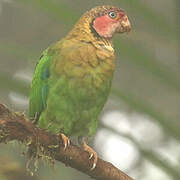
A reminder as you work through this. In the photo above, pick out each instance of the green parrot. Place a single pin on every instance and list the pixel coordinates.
(73, 77)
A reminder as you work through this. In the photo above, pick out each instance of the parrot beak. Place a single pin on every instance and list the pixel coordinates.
(124, 26)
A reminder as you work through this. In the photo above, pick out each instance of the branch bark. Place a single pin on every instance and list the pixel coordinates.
(15, 126)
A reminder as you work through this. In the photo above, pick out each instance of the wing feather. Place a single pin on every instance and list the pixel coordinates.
(39, 86)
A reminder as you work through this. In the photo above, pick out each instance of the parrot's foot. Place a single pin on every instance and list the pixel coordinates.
(92, 153)
(66, 140)
(35, 120)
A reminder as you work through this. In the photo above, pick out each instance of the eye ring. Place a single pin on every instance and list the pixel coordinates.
(112, 14)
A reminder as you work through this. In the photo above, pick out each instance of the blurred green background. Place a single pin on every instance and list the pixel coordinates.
(140, 126)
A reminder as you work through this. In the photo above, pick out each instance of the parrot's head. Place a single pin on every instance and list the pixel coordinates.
(103, 22)
(109, 20)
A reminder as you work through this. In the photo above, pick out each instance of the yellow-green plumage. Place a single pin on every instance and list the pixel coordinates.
(77, 88)
(72, 81)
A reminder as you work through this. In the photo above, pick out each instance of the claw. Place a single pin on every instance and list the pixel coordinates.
(94, 165)
(35, 119)
(66, 141)
(92, 153)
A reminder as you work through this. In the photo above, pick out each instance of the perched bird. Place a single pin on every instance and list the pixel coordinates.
(73, 77)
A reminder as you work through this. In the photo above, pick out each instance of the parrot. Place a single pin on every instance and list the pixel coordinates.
(73, 77)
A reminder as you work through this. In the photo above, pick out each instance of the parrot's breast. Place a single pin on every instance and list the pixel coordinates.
(79, 84)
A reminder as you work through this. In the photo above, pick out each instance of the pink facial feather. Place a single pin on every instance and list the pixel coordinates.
(106, 26)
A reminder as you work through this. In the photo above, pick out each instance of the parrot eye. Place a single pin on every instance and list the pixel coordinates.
(112, 14)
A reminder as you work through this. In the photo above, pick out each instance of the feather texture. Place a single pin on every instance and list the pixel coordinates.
(73, 78)
(72, 93)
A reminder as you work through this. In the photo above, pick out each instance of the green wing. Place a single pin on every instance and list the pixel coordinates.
(39, 86)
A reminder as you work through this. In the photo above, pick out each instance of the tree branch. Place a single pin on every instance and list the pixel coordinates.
(15, 126)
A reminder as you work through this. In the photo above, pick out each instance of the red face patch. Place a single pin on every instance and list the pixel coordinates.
(105, 25)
